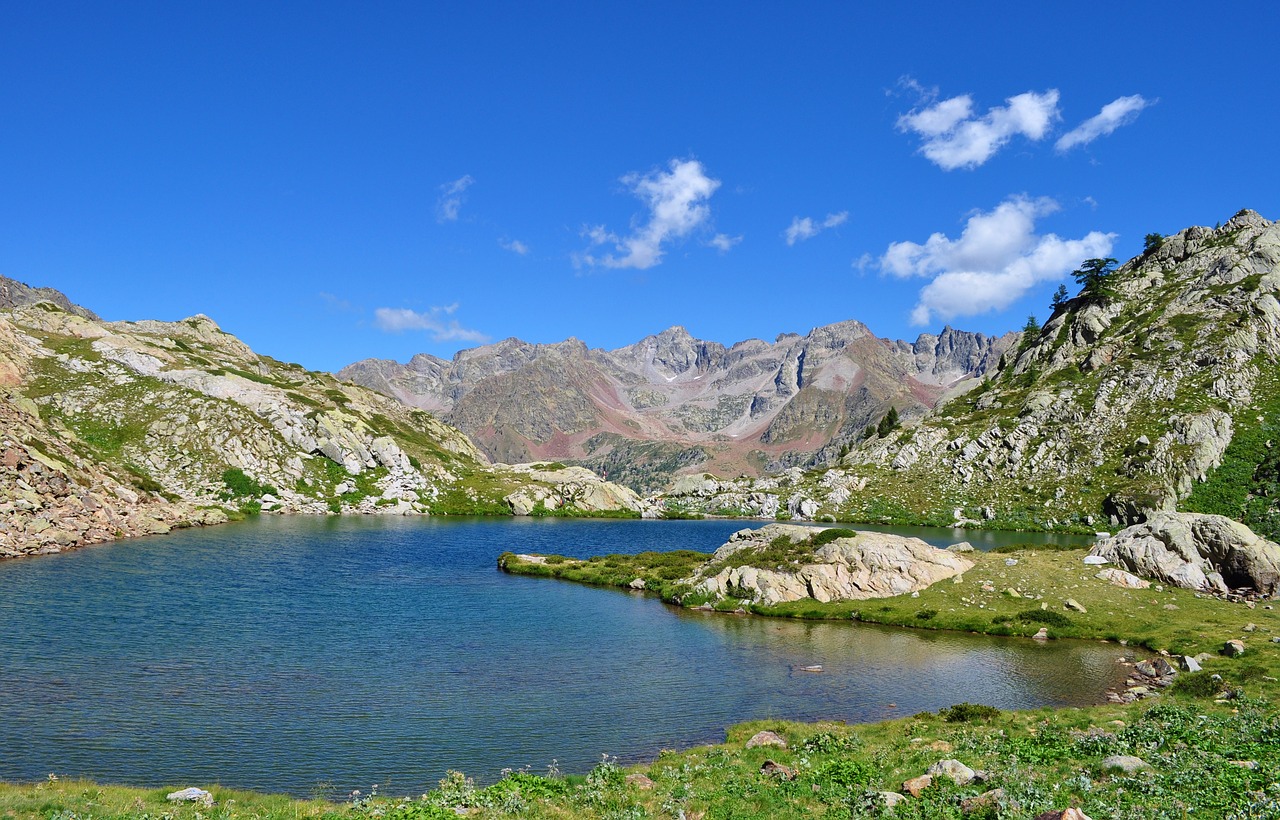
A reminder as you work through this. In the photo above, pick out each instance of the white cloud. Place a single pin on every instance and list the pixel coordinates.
(955, 138)
(433, 321)
(804, 228)
(514, 245)
(997, 259)
(337, 303)
(451, 196)
(723, 242)
(1114, 114)
(677, 202)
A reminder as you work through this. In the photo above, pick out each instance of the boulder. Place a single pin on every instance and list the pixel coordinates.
(870, 565)
(1125, 763)
(959, 773)
(1122, 579)
(916, 785)
(190, 795)
(766, 739)
(1195, 551)
(1233, 649)
(890, 799)
(641, 781)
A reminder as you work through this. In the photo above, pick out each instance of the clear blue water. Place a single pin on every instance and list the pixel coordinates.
(284, 653)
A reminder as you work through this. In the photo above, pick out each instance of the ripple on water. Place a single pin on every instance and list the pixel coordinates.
(281, 653)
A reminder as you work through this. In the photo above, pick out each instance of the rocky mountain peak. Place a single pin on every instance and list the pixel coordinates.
(679, 401)
(17, 294)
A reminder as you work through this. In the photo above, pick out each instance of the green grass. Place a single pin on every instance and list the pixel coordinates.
(1246, 486)
(240, 485)
(659, 570)
(1042, 759)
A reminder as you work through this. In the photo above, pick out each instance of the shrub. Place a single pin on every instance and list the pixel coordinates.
(843, 773)
(829, 743)
(1197, 685)
(968, 713)
(827, 536)
(240, 485)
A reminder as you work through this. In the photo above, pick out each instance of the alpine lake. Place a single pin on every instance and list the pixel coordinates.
(315, 656)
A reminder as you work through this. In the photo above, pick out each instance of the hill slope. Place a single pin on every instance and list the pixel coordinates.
(671, 402)
(1125, 402)
(114, 429)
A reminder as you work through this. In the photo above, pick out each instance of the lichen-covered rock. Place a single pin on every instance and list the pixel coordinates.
(1122, 579)
(573, 487)
(1195, 551)
(766, 738)
(870, 565)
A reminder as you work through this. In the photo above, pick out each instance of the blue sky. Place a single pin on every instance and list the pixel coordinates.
(337, 181)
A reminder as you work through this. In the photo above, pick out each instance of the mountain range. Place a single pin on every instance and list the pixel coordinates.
(1156, 388)
(672, 403)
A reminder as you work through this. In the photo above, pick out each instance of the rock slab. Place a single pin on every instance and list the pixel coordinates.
(1209, 553)
(870, 565)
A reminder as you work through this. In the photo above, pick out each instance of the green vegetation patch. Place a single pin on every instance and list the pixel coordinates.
(239, 485)
(781, 554)
(658, 570)
(1246, 486)
(1202, 760)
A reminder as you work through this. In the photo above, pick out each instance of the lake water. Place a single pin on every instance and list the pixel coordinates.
(308, 655)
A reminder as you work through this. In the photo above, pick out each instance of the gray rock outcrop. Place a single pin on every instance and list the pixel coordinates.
(870, 565)
(574, 488)
(1195, 551)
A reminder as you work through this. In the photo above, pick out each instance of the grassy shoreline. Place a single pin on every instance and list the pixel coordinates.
(982, 600)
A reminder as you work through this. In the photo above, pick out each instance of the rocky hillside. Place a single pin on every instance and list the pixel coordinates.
(1157, 388)
(671, 403)
(114, 429)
